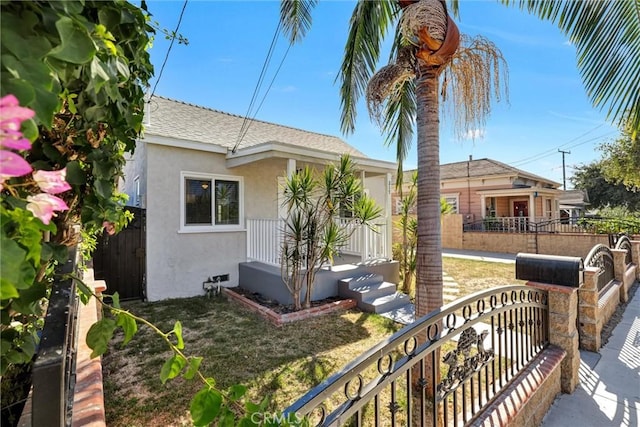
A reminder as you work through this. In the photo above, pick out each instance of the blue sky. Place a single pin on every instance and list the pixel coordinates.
(548, 108)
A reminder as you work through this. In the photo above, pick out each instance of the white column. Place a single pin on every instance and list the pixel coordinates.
(532, 208)
(389, 213)
(291, 166)
(483, 206)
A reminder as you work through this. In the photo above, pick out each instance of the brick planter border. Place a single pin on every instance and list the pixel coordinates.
(278, 319)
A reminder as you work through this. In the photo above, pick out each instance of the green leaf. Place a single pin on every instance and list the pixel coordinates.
(172, 367)
(115, 300)
(129, 326)
(194, 365)
(76, 46)
(104, 188)
(17, 273)
(205, 406)
(83, 291)
(99, 336)
(236, 392)
(227, 419)
(75, 174)
(247, 422)
(177, 329)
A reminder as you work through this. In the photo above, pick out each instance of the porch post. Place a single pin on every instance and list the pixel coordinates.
(483, 206)
(388, 247)
(291, 167)
(532, 209)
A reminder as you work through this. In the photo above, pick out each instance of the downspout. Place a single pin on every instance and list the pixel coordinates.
(469, 187)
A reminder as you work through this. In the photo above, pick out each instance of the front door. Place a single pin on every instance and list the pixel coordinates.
(521, 209)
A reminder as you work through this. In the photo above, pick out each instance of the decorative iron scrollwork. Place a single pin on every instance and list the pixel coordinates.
(462, 364)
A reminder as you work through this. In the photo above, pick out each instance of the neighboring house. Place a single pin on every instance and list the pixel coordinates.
(573, 203)
(210, 207)
(483, 188)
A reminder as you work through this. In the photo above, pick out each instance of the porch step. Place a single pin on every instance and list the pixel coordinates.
(365, 287)
(385, 303)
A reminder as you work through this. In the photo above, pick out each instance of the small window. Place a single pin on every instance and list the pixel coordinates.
(210, 202)
(453, 201)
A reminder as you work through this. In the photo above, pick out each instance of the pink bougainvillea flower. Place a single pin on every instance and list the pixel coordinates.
(12, 164)
(44, 205)
(11, 117)
(52, 182)
(109, 227)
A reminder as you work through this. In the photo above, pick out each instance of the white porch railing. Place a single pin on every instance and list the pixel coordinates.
(264, 240)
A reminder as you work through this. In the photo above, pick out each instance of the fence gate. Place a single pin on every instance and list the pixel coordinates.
(120, 259)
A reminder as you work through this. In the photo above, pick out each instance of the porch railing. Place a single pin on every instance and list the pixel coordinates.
(558, 225)
(466, 352)
(265, 236)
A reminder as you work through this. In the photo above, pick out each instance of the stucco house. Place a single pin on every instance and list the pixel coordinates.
(212, 199)
(486, 188)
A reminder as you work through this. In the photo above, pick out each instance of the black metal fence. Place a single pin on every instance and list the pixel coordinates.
(443, 369)
(54, 368)
(560, 225)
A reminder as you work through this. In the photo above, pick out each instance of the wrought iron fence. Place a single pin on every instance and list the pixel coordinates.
(54, 368)
(559, 225)
(443, 369)
(601, 257)
(625, 243)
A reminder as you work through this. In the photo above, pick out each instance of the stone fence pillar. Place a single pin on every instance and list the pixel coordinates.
(588, 310)
(563, 315)
(635, 256)
(619, 273)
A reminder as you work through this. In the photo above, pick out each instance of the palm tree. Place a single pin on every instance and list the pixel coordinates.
(606, 34)
(407, 93)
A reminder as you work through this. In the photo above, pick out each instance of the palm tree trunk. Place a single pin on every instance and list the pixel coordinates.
(429, 245)
(429, 251)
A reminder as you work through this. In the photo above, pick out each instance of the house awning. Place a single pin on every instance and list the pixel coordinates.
(281, 150)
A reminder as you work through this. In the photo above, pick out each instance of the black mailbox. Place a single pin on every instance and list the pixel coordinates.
(552, 269)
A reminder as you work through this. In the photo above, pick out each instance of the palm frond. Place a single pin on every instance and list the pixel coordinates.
(295, 17)
(606, 34)
(368, 27)
(471, 81)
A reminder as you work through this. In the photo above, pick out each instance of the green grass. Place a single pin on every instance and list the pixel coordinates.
(240, 347)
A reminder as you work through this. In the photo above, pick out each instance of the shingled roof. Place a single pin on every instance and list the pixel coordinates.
(483, 167)
(175, 119)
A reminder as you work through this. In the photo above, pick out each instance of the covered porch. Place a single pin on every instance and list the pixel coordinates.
(516, 207)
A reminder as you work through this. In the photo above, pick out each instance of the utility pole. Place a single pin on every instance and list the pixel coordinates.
(564, 178)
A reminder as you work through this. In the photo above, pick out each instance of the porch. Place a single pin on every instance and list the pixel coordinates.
(365, 245)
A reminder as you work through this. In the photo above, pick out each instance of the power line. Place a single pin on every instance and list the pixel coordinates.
(256, 90)
(173, 38)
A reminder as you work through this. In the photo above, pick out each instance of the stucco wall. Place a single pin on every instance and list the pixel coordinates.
(135, 167)
(178, 263)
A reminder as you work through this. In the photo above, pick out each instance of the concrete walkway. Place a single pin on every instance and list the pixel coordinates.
(609, 389)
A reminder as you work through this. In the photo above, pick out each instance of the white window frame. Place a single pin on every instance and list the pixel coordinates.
(212, 228)
(453, 196)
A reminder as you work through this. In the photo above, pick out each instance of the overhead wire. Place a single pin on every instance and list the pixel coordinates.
(166, 57)
(248, 118)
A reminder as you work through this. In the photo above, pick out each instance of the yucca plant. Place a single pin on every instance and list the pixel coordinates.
(312, 236)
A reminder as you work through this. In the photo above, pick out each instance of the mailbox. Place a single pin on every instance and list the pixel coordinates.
(551, 269)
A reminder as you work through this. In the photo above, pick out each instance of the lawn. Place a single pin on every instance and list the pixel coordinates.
(240, 347)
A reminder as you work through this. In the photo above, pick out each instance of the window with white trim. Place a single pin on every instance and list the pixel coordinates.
(210, 202)
(451, 199)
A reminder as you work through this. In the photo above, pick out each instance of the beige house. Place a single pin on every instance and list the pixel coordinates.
(212, 199)
(486, 188)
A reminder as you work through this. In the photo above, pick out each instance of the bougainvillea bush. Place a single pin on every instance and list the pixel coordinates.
(73, 76)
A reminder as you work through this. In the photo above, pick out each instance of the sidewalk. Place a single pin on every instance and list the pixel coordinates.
(480, 255)
(609, 389)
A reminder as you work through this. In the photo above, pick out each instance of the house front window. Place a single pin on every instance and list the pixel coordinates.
(210, 202)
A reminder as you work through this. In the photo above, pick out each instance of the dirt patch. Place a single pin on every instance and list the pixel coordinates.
(275, 305)
(607, 329)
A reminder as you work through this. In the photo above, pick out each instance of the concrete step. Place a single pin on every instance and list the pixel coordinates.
(384, 303)
(368, 290)
(353, 283)
(404, 314)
